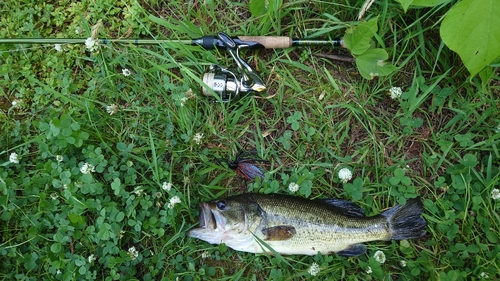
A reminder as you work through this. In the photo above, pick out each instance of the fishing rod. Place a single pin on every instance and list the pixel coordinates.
(228, 84)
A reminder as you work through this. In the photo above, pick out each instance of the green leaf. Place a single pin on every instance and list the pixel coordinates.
(295, 117)
(116, 186)
(405, 4)
(421, 3)
(427, 3)
(372, 64)
(406, 181)
(76, 219)
(120, 216)
(103, 234)
(66, 131)
(491, 236)
(399, 173)
(71, 140)
(472, 29)
(30, 261)
(56, 248)
(355, 189)
(75, 126)
(394, 181)
(358, 39)
(469, 160)
(258, 7)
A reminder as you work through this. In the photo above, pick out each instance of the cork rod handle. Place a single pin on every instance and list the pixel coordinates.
(270, 42)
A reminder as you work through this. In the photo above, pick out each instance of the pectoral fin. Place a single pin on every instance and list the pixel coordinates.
(353, 250)
(279, 233)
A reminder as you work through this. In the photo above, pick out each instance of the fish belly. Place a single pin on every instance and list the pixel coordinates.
(310, 239)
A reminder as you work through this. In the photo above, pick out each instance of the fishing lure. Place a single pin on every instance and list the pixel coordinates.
(245, 166)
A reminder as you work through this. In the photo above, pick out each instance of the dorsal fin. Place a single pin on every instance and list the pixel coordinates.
(347, 208)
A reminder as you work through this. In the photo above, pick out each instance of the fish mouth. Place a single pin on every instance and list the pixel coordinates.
(210, 218)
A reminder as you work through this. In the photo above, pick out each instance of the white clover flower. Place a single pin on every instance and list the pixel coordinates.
(345, 175)
(158, 194)
(87, 168)
(92, 44)
(190, 94)
(379, 256)
(138, 190)
(174, 200)
(132, 253)
(183, 100)
(112, 109)
(395, 92)
(120, 234)
(368, 270)
(314, 269)
(126, 72)
(58, 272)
(59, 158)
(495, 193)
(17, 103)
(197, 138)
(167, 186)
(53, 196)
(484, 275)
(205, 255)
(293, 187)
(58, 47)
(14, 158)
(91, 258)
(402, 263)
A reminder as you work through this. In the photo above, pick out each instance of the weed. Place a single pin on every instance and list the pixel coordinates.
(104, 155)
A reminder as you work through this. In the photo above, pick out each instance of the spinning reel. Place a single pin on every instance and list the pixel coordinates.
(231, 84)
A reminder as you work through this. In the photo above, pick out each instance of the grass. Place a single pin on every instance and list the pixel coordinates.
(438, 141)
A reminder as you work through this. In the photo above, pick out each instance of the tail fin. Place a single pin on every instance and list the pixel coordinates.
(405, 221)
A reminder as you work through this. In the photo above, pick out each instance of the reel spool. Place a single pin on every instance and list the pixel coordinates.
(222, 81)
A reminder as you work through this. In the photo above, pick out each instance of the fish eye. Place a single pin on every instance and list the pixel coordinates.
(221, 205)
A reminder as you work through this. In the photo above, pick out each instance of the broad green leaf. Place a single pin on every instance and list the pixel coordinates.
(420, 3)
(405, 4)
(258, 7)
(358, 39)
(428, 3)
(372, 64)
(472, 29)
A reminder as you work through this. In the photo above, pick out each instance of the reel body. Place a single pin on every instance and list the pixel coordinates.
(232, 84)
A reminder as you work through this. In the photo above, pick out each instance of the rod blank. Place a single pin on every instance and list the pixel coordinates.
(207, 42)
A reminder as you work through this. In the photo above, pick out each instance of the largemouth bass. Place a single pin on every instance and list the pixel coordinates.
(292, 225)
